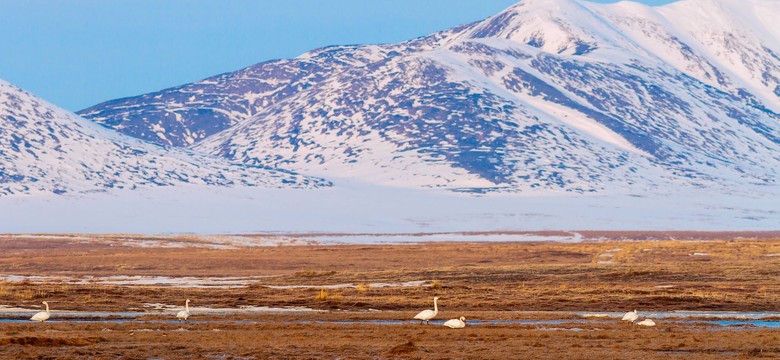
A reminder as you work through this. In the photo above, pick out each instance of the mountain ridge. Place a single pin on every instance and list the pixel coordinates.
(547, 95)
(45, 149)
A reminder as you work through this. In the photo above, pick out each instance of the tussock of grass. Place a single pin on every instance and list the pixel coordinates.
(5, 288)
(324, 296)
(312, 273)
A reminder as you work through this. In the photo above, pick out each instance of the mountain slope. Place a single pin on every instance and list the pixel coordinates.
(562, 95)
(44, 149)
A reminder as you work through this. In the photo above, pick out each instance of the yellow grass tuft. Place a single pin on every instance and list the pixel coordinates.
(5, 288)
(26, 294)
(361, 287)
(436, 284)
(324, 296)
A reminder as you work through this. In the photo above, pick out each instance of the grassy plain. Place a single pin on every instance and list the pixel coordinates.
(485, 281)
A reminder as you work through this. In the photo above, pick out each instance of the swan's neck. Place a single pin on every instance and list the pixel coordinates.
(435, 307)
(187, 306)
(47, 307)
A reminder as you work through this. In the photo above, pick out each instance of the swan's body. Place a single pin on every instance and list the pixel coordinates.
(43, 315)
(456, 323)
(631, 316)
(427, 315)
(646, 322)
(184, 314)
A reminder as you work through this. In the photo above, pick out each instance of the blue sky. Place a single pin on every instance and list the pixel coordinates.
(77, 53)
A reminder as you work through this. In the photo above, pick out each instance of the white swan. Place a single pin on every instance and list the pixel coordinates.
(43, 315)
(427, 315)
(184, 314)
(646, 322)
(631, 316)
(456, 323)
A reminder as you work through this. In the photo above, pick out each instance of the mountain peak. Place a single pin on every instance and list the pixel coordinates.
(555, 26)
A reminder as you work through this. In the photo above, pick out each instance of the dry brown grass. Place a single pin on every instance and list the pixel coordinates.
(483, 281)
(292, 340)
(660, 275)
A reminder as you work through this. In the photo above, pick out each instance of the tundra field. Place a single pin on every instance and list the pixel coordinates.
(116, 296)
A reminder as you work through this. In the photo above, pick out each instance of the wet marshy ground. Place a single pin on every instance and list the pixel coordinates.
(710, 298)
(285, 338)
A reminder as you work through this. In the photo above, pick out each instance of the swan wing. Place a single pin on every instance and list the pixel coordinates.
(425, 315)
(41, 316)
(183, 315)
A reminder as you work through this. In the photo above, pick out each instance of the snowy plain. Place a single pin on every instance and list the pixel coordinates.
(352, 207)
(711, 161)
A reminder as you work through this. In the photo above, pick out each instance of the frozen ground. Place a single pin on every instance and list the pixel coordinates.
(193, 282)
(7, 311)
(357, 208)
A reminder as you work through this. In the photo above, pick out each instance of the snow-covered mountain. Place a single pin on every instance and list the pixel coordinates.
(560, 95)
(45, 149)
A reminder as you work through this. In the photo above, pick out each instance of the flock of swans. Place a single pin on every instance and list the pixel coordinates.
(424, 316)
(633, 316)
